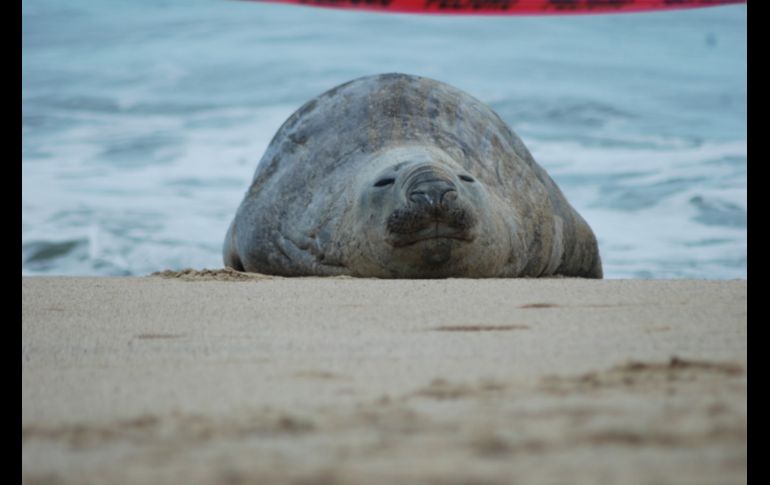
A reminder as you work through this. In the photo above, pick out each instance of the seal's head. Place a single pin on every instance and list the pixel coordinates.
(421, 214)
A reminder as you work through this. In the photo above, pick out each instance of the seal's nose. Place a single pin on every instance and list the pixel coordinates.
(432, 193)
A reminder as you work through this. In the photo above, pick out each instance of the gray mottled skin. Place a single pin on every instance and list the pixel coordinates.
(399, 176)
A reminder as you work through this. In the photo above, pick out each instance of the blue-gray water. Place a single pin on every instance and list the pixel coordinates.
(143, 121)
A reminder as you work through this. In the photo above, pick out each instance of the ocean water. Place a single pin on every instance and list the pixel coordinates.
(143, 121)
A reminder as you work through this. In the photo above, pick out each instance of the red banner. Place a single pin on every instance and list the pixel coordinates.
(511, 7)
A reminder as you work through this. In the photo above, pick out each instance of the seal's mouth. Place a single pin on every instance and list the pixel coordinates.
(434, 212)
(437, 230)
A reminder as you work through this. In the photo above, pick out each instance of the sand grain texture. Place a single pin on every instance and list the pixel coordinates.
(187, 379)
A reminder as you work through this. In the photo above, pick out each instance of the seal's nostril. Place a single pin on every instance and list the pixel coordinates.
(419, 197)
(432, 193)
(449, 196)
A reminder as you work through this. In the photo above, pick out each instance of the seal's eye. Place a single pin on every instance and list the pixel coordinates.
(466, 178)
(384, 182)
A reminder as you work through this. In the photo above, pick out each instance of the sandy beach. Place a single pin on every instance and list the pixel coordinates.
(224, 378)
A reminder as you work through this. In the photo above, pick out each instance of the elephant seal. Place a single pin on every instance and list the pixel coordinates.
(400, 176)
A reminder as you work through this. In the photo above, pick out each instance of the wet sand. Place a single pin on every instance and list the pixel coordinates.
(225, 378)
